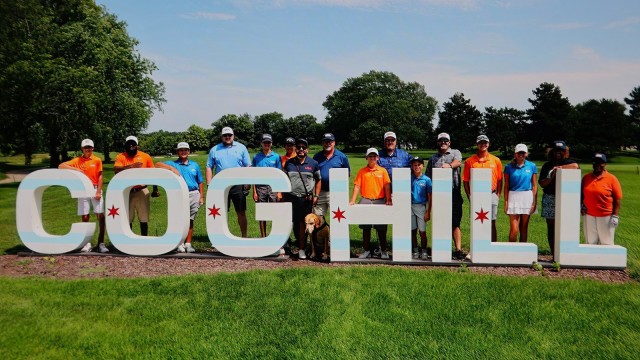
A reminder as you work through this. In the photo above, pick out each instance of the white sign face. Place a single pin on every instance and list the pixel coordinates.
(278, 213)
(483, 251)
(29, 211)
(343, 214)
(568, 249)
(117, 211)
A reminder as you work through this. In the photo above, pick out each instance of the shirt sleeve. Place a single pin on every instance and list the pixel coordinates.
(385, 177)
(499, 167)
(345, 163)
(149, 161)
(429, 168)
(316, 173)
(616, 188)
(119, 161)
(358, 179)
(198, 175)
(98, 164)
(245, 157)
(466, 171)
(211, 159)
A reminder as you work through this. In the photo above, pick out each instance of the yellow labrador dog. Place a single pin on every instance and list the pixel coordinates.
(318, 230)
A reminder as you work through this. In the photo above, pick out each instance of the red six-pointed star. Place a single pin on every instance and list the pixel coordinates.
(213, 211)
(113, 211)
(482, 215)
(339, 215)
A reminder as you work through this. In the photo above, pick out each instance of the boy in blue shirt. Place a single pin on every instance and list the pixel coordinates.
(263, 193)
(420, 206)
(192, 175)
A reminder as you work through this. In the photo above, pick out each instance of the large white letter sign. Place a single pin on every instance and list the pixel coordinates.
(441, 215)
(29, 211)
(399, 215)
(568, 250)
(117, 211)
(278, 213)
(482, 249)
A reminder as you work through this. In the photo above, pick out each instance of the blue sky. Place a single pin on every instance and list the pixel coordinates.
(240, 56)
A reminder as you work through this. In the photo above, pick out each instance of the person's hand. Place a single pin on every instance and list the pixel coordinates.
(389, 202)
(506, 208)
(279, 197)
(255, 197)
(533, 208)
(614, 221)
(201, 202)
(315, 200)
(136, 165)
(352, 203)
(98, 195)
(155, 193)
(427, 216)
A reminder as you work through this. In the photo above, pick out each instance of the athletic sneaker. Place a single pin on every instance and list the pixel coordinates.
(458, 255)
(282, 252)
(384, 255)
(365, 255)
(102, 248)
(86, 248)
(302, 255)
(424, 255)
(189, 248)
(376, 251)
(416, 253)
(181, 248)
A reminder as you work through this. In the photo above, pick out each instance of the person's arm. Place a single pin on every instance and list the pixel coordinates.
(427, 214)
(99, 189)
(318, 188)
(211, 163)
(201, 190)
(534, 190)
(506, 193)
(456, 163)
(387, 194)
(66, 166)
(161, 165)
(356, 191)
(255, 194)
(466, 189)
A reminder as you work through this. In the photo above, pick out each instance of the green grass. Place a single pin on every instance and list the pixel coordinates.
(346, 312)
(353, 312)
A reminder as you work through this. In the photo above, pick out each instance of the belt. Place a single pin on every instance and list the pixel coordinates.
(372, 199)
(138, 188)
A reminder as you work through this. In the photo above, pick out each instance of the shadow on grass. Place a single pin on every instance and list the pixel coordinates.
(16, 249)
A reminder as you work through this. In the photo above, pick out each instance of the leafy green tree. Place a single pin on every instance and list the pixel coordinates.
(72, 70)
(197, 137)
(634, 115)
(380, 97)
(505, 127)
(461, 120)
(160, 142)
(242, 126)
(265, 124)
(601, 125)
(549, 117)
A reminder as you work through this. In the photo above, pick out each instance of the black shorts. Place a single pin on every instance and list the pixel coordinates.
(300, 207)
(456, 205)
(237, 195)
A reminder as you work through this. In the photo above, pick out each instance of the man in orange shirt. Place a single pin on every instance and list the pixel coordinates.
(482, 159)
(601, 196)
(374, 185)
(289, 145)
(132, 158)
(91, 166)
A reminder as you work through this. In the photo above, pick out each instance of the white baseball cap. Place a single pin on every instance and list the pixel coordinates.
(132, 138)
(521, 147)
(226, 130)
(87, 142)
(182, 145)
(371, 150)
(389, 134)
(443, 136)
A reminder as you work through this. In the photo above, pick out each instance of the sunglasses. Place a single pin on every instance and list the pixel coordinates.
(301, 147)
(227, 135)
(520, 153)
(443, 141)
(389, 140)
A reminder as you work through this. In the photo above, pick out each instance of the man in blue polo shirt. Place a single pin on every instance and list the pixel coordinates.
(190, 172)
(263, 193)
(329, 158)
(392, 157)
(231, 154)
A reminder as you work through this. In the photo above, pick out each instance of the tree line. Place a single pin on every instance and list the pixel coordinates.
(69, 70)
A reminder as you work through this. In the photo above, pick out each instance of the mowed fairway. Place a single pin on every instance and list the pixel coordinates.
(348, 312)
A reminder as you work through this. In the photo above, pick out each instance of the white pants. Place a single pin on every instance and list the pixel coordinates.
(597, 230)
(84, 205)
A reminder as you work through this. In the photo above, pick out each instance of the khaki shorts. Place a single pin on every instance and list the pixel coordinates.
(139, 200)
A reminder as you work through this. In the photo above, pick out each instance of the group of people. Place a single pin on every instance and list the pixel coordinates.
(309, 176)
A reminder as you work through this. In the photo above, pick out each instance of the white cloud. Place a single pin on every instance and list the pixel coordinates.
(567, 26)
(209, 16)
(624, 23)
